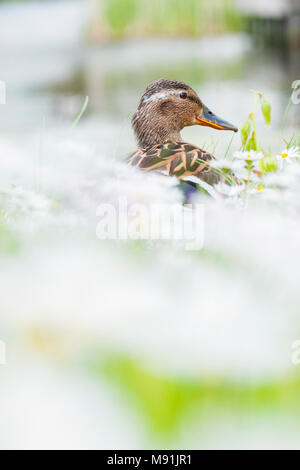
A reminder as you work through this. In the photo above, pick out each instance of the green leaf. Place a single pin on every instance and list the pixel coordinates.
(252, 142)
(266, 110)
(245, 132)
(268, 164)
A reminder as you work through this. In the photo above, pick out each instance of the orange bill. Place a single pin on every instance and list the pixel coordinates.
(208, 118)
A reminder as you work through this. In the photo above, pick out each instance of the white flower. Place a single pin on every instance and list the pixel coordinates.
(19, 200)
(258, 190)
(236, 167)
(226, 164)
(229, 190)
(290, 153)
(281, 180)
(293, 169)
(251, 155)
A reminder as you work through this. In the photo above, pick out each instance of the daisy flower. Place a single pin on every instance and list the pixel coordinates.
(228, 190)
(289, 154)
(225, 164)
(252, 155)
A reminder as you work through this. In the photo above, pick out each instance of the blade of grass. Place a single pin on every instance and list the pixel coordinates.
(211, 191)
(82, 110)
(218, 171)
(286, 112)
(230, 143)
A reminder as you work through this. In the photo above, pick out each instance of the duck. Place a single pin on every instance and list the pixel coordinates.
(165, 108)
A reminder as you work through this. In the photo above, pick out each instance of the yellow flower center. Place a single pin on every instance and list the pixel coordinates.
(284, 155)
(260, 188)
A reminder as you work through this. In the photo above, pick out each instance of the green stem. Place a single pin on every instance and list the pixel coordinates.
(254, 119)
(228, 148)
(83, 108)
(286, 112)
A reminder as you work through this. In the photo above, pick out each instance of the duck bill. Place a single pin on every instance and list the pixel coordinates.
(208, 118)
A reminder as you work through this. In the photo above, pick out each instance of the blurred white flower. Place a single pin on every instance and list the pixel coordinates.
(257, 190)
(293, 169)
(115, 179)
(226, 164)
(289, 153)
(179, 314)
(249, 155)
(20, 201)
(229, 190)
(281, 180)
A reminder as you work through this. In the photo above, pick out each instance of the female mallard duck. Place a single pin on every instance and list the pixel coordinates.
(166, 107)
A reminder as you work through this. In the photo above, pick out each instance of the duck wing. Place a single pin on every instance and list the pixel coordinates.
(177, 158)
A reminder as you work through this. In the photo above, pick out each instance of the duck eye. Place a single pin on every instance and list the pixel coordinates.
(183, 95)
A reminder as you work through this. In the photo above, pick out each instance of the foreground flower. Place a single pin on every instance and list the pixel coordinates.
(252, 155)
(226, 164)
(280, 180)
(290, 153)
(227, 190)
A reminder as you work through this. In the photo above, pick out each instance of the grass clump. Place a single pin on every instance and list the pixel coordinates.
(129, 18)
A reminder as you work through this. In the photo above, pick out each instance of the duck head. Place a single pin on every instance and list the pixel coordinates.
(166, 107)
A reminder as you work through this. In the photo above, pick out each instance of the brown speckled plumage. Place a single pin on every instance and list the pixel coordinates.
(176, 158)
